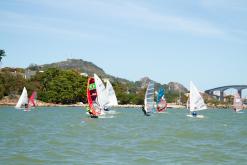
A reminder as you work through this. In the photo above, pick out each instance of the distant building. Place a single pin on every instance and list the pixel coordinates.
(29, 73)
(84, 74)
(105, 79)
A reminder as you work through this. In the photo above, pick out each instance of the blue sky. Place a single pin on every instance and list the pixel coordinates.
(203, 41)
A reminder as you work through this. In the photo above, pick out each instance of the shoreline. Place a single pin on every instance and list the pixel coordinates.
(12, 102)
(85, 105)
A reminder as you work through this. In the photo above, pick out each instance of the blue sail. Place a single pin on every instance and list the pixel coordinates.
(161, 93)
(161, 102)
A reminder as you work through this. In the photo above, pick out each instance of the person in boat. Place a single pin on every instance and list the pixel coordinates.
(194, 113)
(144, 111)
(91, 114)
(26, 106)
(106, 109)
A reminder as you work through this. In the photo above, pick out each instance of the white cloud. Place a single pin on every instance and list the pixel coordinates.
(35, 24)
(236, 5)
(134, 14)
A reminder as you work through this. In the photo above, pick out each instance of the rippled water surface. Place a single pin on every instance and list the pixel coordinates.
(67, 136)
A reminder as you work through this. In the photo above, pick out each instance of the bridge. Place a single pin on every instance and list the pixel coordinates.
(239, 88)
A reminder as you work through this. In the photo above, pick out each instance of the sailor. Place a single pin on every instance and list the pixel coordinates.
(144, 111)
(90, 113)
(106, 109)
(26, 105)
(194, 113)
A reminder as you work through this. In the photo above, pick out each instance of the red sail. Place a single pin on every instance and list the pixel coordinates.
(92, 97)
(162, 105)
(31, 101)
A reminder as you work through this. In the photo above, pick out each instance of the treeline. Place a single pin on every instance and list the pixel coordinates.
(67, 87)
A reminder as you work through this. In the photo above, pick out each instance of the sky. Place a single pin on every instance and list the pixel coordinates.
(167, 40)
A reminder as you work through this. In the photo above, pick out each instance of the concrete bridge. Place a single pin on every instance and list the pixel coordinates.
(239, 88)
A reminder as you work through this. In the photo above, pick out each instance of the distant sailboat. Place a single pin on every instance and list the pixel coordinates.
(93, 109)
(23, 100)
(196, 102)
(111, 95)
(161, 102)
(32, 101)
(237, 103)
(149, 98)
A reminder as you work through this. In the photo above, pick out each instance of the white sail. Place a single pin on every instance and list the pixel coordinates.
(196, 100)
(149, 97)
(111, 94)
(237, 103)
(23, 99)
(102, 97)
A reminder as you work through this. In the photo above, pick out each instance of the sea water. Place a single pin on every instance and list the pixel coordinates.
(66, 135)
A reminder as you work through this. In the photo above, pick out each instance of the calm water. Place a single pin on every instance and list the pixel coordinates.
(67, 136)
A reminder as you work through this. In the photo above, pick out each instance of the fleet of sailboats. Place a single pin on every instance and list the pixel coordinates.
(100, 98)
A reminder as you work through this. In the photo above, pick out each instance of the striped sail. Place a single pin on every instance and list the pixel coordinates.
(149, 98)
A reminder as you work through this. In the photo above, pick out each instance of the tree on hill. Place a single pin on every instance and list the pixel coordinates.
(2, 54)
(61, 86)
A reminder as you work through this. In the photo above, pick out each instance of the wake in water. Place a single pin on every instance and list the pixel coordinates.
(197, 116)
(163, 112)
(112, 112)
(106, 116)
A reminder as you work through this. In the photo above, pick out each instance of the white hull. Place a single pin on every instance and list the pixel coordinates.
(197, 116)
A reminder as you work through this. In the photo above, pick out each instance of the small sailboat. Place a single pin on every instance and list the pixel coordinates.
(161, 102)
(237, 103)
(102, 96)
(23, 100)
(94, 108)
(32, 101)
(196, 102)
(112, 99)
(149, 99)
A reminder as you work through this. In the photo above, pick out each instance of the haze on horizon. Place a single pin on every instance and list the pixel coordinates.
(203, 41)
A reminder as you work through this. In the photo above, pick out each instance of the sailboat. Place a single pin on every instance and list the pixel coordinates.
(102, 96)
(112, 99)
(161, 102)
(149, 98)
(32, 101)
(93, 109)
(23, 100)
(237, 103)
(196, 102)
